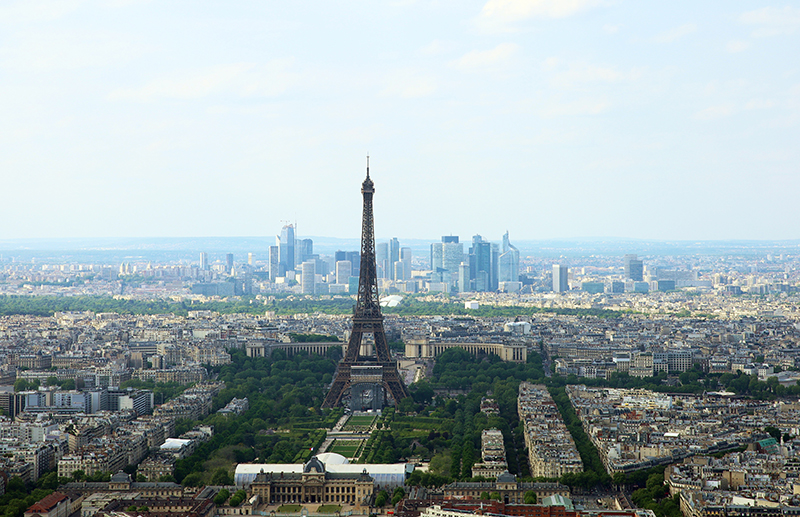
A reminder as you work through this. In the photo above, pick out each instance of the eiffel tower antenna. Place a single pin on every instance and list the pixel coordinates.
(367, 377)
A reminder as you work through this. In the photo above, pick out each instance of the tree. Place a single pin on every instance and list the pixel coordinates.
(21, 385)
(221, 477)
(193, 479)
(49, 481)
(422, 392)
(221, 497)
(773, 432)
(406, 405)
(99, 477)
(772, 384)
(381, 498)
(530, 497)
(68, 384)
(15, 484)
(237, 498)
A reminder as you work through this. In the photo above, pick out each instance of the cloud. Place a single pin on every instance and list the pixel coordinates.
(482, 59)
(45, 51)
(551, 63)
(714, 112)
(48, 10)
(737, 46)
(123, 3)
(573, 75)
(675, 34)
(611, 29)
(577, 107)
(238, 79)
(756, 104)
(408, 85)
(38, 10)
(437, 47)
(499, 15)
(772, 21)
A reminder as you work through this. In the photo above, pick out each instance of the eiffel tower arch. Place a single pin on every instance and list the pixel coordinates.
(370, 380)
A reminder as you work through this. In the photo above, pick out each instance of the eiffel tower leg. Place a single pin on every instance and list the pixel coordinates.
(338, 387)
(354, 344)
(381, 346)
(394, 385)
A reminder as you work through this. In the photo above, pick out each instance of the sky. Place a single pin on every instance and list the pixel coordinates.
(544, 118)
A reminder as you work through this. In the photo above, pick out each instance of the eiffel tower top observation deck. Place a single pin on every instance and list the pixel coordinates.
(367, 377)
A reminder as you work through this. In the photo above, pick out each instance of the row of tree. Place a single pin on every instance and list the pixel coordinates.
(280, 304)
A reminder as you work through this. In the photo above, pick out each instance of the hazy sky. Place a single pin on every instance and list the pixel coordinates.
(547, 118)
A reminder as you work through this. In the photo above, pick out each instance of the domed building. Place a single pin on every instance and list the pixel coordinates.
(311, 483)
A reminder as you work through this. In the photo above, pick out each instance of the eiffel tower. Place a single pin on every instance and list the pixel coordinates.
(364, 376)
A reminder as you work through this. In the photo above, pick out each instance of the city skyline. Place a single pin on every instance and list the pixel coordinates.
(168, 249)
(546, 119)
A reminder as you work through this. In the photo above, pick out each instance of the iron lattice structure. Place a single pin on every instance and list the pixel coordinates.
(367, 319)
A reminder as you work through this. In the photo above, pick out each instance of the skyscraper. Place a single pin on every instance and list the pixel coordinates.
(203, 260)
(304, 250)
(494, 273)
(229, 263)
(394, 250)
(405, 258)
(386, 254)
(463, 278)
(274, 263)
(482, 281)
(446, 256)
(508, 262)
(560, 278)
(480, 259)
(353, 256)
(437, 260)
(286, 247)
(382, 259)
(309, 278)
(344, 270)
(634, 268)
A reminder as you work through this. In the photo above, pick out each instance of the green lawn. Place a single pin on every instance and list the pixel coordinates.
(361, 420)
(329, 508)
(359, 423)
(346, 448)
(289, 508)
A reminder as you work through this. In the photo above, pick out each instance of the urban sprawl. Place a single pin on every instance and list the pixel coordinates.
(684, 366)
